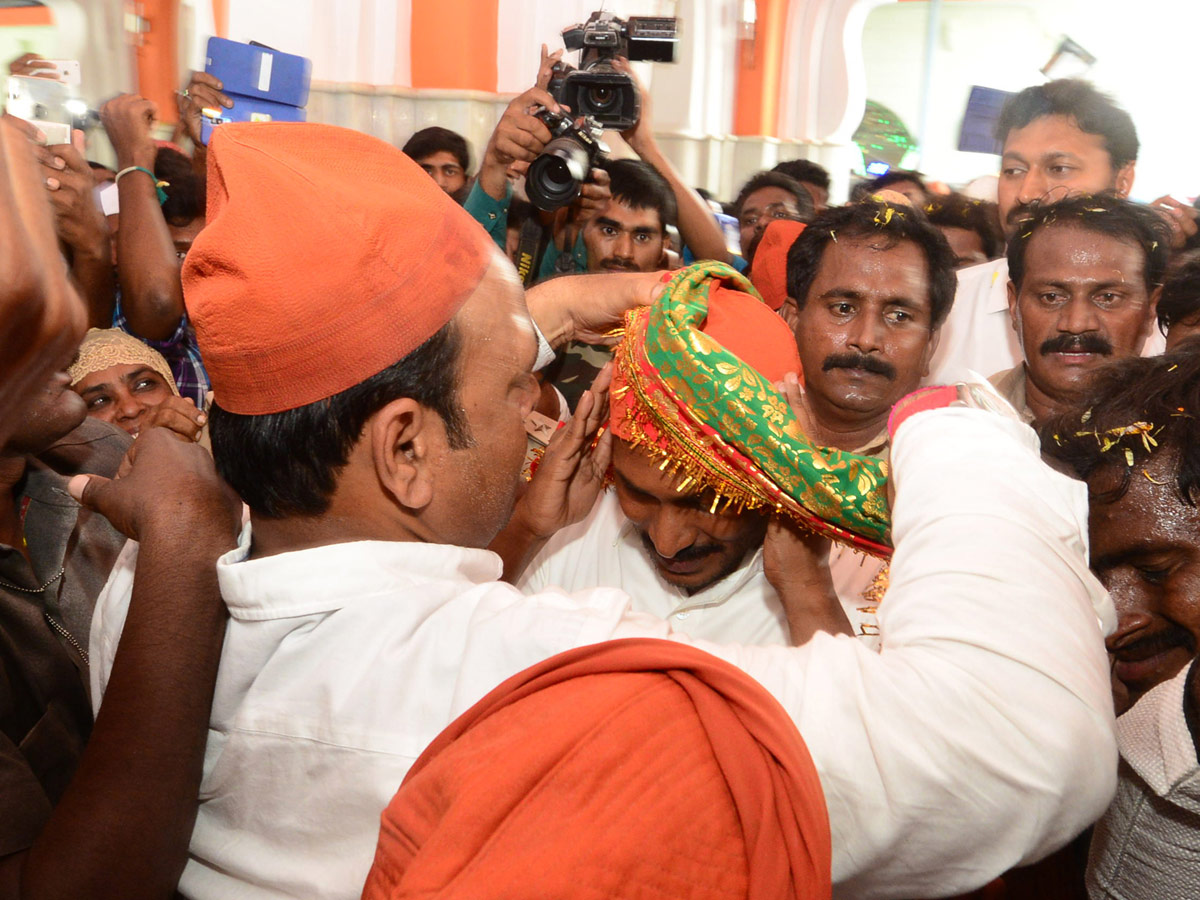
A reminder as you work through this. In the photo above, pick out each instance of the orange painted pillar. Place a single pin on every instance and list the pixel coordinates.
(454, 44)
(760, 72)
(157, 57)
(220, 9)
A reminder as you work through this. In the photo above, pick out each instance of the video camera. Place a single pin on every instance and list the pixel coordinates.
(596, 88)
(554, 177)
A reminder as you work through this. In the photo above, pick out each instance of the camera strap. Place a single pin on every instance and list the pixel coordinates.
(529, 250)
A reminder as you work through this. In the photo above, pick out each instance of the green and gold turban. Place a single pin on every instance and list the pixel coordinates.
(694, 387)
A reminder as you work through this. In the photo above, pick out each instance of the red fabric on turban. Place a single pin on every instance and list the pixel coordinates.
(630, 768)
(768, 272)
(328, 256)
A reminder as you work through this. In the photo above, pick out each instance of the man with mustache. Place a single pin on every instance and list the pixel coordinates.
(1139, 452)
(1085, 274)
(1059, 139)
(872, 283)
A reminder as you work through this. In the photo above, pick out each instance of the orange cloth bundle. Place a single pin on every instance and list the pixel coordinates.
(768, 272)
(635, 768)
(328, 256)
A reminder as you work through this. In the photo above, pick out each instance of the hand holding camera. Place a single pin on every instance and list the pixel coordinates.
(519, 137)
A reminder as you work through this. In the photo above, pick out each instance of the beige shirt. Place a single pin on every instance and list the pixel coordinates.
(1011, 385)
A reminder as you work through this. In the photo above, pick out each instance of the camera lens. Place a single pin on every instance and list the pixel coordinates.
(600, 98)
(553, 178)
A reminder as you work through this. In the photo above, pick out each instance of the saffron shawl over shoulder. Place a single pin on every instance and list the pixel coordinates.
(629, 769)
(694, 387)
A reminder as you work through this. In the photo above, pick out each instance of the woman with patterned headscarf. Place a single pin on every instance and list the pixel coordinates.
(127, 383)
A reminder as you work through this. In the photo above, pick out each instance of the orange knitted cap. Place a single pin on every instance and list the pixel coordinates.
(328, 256)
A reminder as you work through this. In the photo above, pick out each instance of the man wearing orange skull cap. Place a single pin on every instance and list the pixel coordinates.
(370, 353)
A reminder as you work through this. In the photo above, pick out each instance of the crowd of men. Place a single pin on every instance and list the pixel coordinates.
(856, 556)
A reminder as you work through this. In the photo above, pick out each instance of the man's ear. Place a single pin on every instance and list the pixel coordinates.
(1123, 183)
(930, 349)
(1012, 307)
(1151, 314)
(404, 435)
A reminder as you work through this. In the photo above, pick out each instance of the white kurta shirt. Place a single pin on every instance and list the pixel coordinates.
(742, 608)
(978, 336)
(980, 736)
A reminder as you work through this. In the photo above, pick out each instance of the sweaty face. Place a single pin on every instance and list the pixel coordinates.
(478, 483)
(864, 330)
(966, 244)
(689, 546)
(621, 238)
(761, 208)
(53, 412)
(1049, 159)
(444, 168)
(1082, 302)
(1146, 552)
(123, 395)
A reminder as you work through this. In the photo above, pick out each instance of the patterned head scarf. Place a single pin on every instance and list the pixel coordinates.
(693, 387)
(103, 348)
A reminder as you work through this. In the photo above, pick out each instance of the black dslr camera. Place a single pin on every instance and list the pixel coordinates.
(554, 177)
(597, 89)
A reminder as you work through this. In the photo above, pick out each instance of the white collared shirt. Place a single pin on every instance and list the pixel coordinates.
(978, 336)
(979, 737)
(742, 608)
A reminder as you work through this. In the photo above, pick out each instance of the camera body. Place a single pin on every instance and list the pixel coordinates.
(553, 179)
(596, 89)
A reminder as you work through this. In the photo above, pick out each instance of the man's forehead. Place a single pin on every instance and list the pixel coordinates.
(767, 196)
(1067, 250)
(621, 212)
(872, 262)
(1052, 135)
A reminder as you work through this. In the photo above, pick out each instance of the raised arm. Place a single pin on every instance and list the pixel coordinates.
(123, 826)
(981, 736)
(148, 270)
(80, 226)
(697, 227)
(41, 316)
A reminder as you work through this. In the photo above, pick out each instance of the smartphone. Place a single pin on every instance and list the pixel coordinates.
(43, 103)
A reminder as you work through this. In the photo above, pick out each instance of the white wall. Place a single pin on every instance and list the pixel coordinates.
(1004, 44)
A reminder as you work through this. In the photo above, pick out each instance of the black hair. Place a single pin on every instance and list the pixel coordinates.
(895, 176)
(435, 139)
(806, 171)
(1093, 111)
(287, 463)
(880, 220)
(1180, 298)
(1135, 409)
(639, 185)
(760, 180)
(1104, 213)
(185, 188)
(979, 216)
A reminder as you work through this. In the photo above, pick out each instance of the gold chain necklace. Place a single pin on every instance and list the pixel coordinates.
(37, 590)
